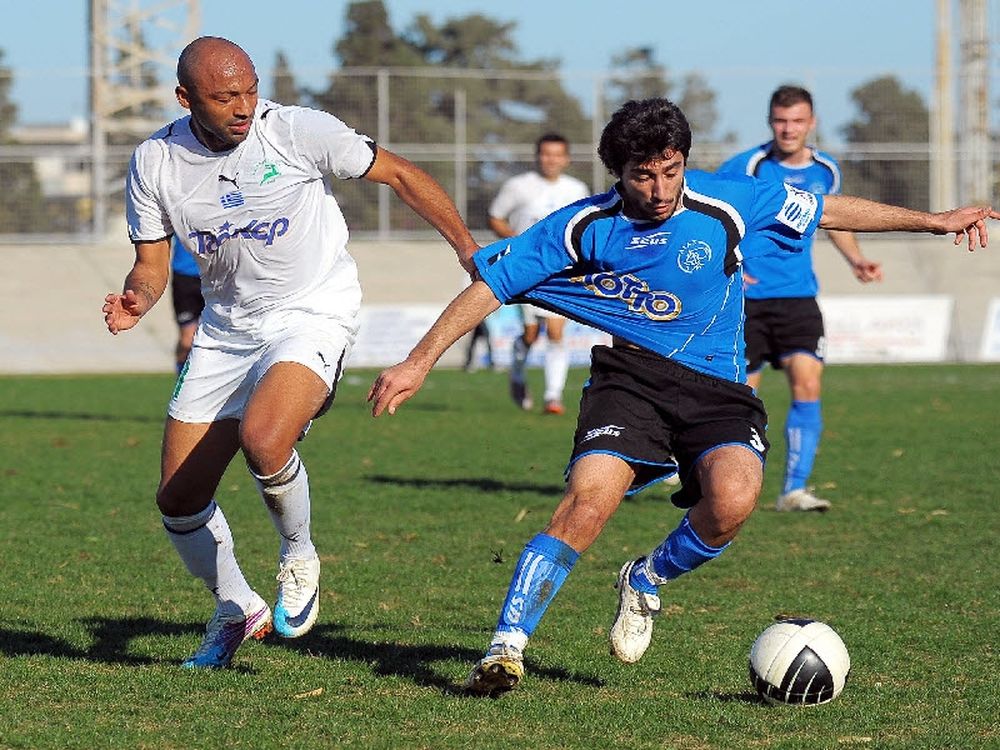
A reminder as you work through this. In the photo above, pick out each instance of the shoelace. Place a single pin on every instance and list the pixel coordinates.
(637, 625)
(292, 572)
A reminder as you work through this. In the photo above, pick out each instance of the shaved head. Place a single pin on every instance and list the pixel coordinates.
(217, 82)
(210, 56)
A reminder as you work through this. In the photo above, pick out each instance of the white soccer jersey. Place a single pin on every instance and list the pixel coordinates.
(260, 219)
(529, 197)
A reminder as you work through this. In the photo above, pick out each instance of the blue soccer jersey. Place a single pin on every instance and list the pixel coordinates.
(674, 287)
(782, 275)
(181, 259)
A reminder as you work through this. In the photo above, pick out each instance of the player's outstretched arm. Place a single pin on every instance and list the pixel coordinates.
(423, 194)
(142, 288)
(861, 215)
(400, 382)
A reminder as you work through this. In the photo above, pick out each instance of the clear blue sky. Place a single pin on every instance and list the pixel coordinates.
(744, 47)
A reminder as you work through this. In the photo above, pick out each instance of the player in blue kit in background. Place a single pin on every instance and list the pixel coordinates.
(784, 324)
(185, 293)
(656, 262)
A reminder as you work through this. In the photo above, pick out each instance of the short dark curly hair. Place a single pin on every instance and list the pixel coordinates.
(643, 130)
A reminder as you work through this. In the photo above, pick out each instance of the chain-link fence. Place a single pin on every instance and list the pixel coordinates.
(470, 129)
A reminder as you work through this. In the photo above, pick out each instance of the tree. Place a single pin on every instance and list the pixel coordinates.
(896, 120)
(22, 207)
(471, 60)
(283, 87)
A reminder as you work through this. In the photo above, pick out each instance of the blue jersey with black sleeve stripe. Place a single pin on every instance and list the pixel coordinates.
(674, 287)
(782, 275)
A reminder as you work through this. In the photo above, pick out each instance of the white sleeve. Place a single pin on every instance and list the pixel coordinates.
(331, 145)
(147, 221)
(505, 202)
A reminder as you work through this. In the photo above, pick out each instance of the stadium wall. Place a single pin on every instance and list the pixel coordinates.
(51, 296)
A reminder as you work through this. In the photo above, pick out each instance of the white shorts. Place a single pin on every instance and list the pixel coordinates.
(220, 375)
(531, 315)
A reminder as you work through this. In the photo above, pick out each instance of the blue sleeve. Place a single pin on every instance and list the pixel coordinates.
(735, 165)
(782, 214)
(514, 265)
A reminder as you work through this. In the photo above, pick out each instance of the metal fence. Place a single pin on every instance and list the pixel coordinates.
(438, 120)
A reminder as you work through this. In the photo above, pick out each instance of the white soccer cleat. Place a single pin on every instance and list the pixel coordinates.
(297, 607)
(226, 633)
(497, 672)
(632, 629)
(801, 500)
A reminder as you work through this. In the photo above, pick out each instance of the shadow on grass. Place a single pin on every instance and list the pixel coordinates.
(412, 661)
(385, 658)
(481, 484)
(79, 416)
(110, 645)
(747, 696)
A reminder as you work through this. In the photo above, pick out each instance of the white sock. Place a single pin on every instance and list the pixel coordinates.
(556, 370)
(519, 356)
(286, 495)
(205, 544)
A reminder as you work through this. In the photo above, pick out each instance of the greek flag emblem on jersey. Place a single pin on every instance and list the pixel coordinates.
(232, 200)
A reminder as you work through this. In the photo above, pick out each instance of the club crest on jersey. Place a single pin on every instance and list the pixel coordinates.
(648, 240)
(262, 231)
(266, 171)
(694, 255)
(655, 305)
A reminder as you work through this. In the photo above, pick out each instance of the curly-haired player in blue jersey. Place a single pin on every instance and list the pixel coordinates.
(784, 323)
(656, 262)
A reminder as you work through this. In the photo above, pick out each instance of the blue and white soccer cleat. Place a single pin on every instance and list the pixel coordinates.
(226, 633)
(632, 630)
(497, 672)
(297, 607)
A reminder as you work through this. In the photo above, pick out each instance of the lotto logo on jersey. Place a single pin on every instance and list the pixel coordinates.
(260, 231)
(634, 291)
(798, 209)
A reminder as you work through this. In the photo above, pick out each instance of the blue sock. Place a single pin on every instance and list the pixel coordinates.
(538, 575)
(679, 553)
(802, 430)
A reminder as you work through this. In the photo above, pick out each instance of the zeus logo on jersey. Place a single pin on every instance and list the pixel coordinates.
(633, 290)
(798, 209)
(262, 231)
(648, 240)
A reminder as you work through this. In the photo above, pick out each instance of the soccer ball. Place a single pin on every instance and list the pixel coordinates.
(799, 662)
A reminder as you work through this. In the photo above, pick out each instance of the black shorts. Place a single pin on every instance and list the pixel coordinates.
(186, 294)
(779, 328)
(657, 415)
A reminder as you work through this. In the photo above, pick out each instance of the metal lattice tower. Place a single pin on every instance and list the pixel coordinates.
(133, 56)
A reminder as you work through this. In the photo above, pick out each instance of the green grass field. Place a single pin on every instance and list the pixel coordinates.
(419, 520)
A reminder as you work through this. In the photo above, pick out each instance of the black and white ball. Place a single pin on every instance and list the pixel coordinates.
(799, 662)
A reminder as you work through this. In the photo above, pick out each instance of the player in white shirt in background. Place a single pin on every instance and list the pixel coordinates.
(243, 182)
(522, 201)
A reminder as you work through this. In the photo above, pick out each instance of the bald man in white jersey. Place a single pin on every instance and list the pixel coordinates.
(243, 183)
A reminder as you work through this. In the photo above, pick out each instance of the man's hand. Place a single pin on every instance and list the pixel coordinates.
(123, 311)
(396, 385)
(969, 221)
(866, 270)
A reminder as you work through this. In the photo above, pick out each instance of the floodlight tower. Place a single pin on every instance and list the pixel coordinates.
(974, 138)
(133, 53)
